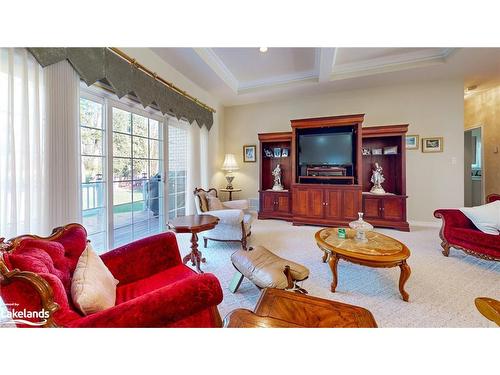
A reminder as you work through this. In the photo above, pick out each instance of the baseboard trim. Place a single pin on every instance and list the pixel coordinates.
(431, 224)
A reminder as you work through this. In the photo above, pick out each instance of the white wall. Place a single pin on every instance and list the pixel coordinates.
(431, 109)
(152, 61)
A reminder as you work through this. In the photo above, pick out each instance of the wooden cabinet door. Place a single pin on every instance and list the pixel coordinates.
(333, 200)
(316, 208)
(372, 207)
(267, 202)
(300, 201)
(392, 209)
(283, 203)
(351, 200)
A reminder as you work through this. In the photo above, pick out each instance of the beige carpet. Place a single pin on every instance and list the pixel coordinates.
(442, 290)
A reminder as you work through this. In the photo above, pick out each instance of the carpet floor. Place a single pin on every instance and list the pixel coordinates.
(442, 290)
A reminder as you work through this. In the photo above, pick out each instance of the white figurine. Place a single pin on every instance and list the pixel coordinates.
(277, 178)
(377, 180)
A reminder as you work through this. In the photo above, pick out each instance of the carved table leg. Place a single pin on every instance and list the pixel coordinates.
(195, 255)
(333, 261)
(405, 275)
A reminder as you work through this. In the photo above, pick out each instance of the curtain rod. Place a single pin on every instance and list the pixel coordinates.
(134, 62)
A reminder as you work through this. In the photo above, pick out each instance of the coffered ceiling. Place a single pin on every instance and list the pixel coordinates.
(245, 75)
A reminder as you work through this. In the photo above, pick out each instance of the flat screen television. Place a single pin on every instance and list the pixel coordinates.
(326, 148)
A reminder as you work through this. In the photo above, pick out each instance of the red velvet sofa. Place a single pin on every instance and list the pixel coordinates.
(155, 289)
(459, 232)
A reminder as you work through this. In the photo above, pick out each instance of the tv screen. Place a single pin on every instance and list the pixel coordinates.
(326, 148)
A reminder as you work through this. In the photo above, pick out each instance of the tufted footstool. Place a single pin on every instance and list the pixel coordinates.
(266, 270)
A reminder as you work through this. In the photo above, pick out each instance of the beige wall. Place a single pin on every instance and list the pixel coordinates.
(484, 109)
(148, 58)
(431, 109)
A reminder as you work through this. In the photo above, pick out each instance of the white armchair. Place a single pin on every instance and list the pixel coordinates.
(235, 219)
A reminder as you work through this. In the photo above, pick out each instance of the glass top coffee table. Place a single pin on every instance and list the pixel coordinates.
(379, 251)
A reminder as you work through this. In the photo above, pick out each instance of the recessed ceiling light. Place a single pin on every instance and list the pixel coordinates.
(263, 49)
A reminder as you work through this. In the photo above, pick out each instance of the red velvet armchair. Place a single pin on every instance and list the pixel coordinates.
(459, 232)
(155, 289)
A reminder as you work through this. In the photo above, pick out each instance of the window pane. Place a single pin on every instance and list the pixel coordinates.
(154, 169)
(140, 125)
(181, 201)
(154, 151)
(140, 147)
(122, 169)
(122, 215)
(92, 168)
(121, 121)
(140, 190)
(93, 195)
(122, 145)
(92, 140)
(140, 169)
(94, 220)
(90, 113)
(154, 207)
(122, 236)
(153, 129)
(98, 241)
(122, 192)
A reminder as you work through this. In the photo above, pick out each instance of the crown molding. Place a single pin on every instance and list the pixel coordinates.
(409, 60)
(326, 63)
(286, 79)
(217, 65)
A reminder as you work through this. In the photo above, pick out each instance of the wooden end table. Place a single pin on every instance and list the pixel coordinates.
(278, 308)
(379, 251)
(230, 191)
(193, 224)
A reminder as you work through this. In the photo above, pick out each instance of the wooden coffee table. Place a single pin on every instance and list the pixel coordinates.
(193, 224)
(278, 308)
(379, 251)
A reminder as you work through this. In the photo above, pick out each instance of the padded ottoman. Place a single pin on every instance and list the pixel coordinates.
(266, 270)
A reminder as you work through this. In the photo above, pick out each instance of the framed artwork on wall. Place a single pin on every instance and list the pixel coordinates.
(412, 142)
(434, 144)
(249, 153)
(277, 152)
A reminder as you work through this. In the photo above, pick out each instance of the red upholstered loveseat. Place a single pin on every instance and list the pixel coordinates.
(155, 289)
(459, 232)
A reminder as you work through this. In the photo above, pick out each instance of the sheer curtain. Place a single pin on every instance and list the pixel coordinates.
(22, 129)
(62, 87)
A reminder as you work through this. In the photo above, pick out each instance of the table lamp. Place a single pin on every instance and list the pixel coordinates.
(229, 165)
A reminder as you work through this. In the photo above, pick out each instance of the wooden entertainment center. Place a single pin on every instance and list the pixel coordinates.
(332, 194)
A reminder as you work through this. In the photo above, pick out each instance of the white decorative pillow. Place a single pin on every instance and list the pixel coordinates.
(93, 287)
(214, 203)
(486, 217)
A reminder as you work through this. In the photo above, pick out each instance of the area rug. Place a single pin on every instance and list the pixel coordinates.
(442, 290)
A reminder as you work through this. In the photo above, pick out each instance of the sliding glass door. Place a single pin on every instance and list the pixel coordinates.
(137, 166)
(122, 171)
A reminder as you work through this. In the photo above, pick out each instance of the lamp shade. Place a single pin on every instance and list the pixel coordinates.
(229, 163)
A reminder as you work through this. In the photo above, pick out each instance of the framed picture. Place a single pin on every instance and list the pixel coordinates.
(377, 151)
(268, 153)
(277, 152)
(391, 150)
(249, 153)
(366, 151)
(412, 142)
(434, 144)
(284, 152)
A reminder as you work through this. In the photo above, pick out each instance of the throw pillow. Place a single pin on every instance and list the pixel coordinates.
(486, 217)
(214, 203)
(93, 287)
(203, 201)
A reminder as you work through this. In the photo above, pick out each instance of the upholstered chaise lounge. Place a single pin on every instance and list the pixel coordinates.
(236, 218)
(155, 289)
(459, 232)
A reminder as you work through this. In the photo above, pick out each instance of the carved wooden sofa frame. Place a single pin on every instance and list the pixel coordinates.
(42, 287)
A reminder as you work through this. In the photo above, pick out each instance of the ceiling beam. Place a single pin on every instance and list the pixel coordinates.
(215, 63)
(326, 63)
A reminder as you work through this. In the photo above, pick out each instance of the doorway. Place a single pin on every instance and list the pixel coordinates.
(473, 167)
